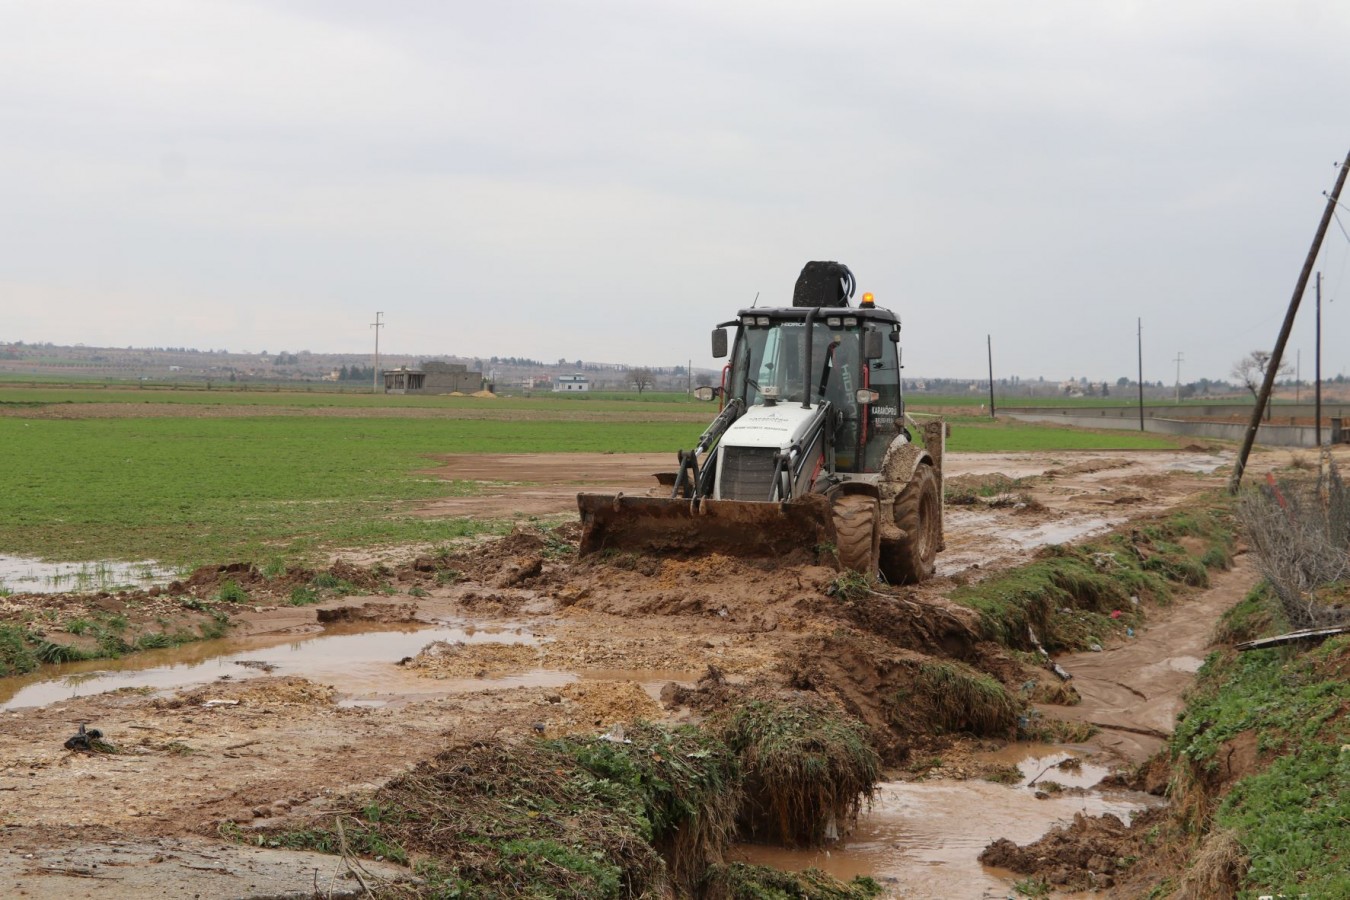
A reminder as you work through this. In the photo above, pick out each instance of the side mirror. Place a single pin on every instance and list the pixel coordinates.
(872, 344)
(719, 343)
(704, 393)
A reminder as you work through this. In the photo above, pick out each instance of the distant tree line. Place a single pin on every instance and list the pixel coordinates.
(356, 373)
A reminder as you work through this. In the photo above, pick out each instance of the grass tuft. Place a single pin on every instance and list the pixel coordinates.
(808, 768)
(955, 697)
(232, 592)
(741, 881)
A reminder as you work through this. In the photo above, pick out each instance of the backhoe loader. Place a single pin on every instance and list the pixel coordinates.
(811, 450)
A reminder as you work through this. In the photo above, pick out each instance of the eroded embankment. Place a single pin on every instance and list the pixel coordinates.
(1258, 769)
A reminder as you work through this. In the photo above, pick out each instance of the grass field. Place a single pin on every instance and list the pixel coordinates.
(978, 435)
(203, 477)
(192, 490)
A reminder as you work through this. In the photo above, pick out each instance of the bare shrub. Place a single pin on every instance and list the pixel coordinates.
(1216, 870)
(1301, 533)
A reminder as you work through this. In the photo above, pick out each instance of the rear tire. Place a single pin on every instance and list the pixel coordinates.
(913, 558)
(857, 520)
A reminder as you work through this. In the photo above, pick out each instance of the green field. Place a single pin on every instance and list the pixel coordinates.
(978, 435)
(199, 477)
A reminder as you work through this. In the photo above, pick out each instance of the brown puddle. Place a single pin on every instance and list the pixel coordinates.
(352, 657)
(923, 839)
(359, 659)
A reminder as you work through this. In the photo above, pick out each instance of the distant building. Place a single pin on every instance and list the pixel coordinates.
(565, 383)
(433, 377)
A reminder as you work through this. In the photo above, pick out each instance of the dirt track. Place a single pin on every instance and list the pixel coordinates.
(596, 644)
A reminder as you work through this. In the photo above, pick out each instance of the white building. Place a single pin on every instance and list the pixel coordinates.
(567, 383)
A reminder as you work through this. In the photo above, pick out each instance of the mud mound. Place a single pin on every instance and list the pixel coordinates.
(910, 621)
(445, 659)
(867, 678)
(208, 580)
(712, 692)
(506, 561)
(484, 395)
(748, 594)
(679, 647)
(281, 691)
(905, 697)
(1088, 467)
(593, 706)
(370, 612)
(964, 489)
(1085, 855)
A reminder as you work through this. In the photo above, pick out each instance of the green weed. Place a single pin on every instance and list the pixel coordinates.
(49, 652)
(78, 626)
(327, 581)
(850, 586)
(154, 640)
(1032, 887)
(232, 592)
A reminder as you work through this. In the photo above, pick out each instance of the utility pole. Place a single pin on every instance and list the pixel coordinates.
(989, 343)
(1140, 323)
(1179, 360)
(375, 378)
(1235, 480)
(1317, 368)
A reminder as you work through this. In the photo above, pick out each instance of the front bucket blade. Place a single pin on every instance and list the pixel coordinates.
(667, 527)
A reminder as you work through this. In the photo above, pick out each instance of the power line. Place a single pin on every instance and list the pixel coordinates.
(1340, 225)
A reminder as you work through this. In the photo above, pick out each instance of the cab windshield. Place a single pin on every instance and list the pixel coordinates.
(773, 356)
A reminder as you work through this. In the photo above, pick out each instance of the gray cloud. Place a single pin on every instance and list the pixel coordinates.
(607, 180)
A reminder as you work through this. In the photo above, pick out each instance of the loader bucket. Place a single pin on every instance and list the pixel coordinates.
(667, 527)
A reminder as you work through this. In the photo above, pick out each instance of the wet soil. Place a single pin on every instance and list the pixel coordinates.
(1133, 691)
(530, 640)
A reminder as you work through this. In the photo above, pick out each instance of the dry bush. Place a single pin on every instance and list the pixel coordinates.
(1215, 870)
(1301, 533)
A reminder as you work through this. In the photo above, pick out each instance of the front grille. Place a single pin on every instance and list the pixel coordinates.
(747, 473)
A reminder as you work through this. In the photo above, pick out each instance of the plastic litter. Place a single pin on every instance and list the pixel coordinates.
(615, 735)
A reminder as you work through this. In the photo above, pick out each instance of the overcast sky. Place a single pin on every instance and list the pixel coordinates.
(607, 180)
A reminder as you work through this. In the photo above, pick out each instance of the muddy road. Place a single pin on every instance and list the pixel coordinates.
(513, 639)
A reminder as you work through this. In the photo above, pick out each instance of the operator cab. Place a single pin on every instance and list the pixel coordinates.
(768, 363)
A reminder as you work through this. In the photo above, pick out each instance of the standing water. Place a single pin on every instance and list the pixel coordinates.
(23, 575)
(923, 839)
